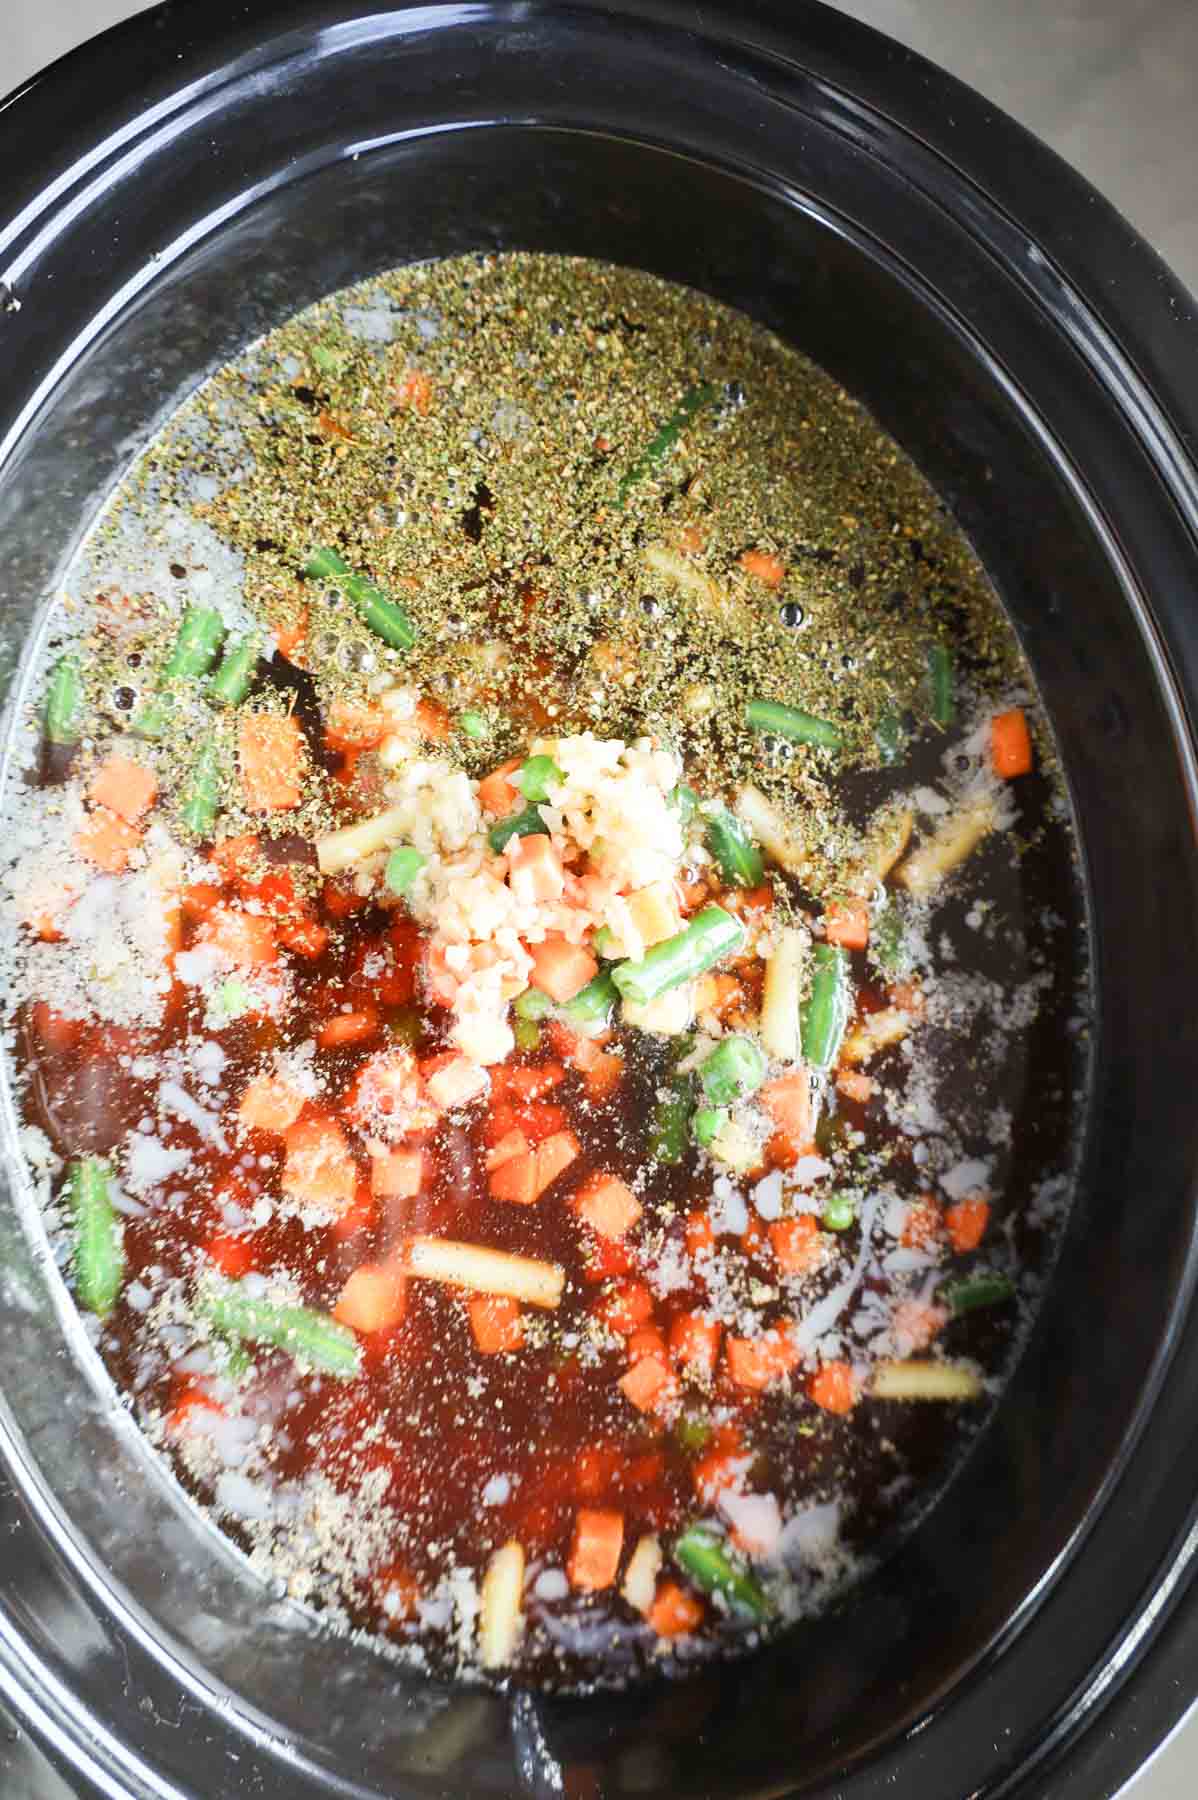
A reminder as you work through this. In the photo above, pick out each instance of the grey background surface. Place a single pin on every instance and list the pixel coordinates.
(1108, 83)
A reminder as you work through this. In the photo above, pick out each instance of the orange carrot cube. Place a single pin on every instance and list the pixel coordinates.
(270, 1104)
(1011, 744)
(764, 566)
(270, 751)
(247, 939)
(106, 840)
(695, 1341)
(608, 1205)
(846, 922)
(595, 1553)
(125, 787)
(497, 1323)
(798, 1244)
(788, 1102)
(561, 969)
(833, 1387)
(535, 870)
(757, 1363)
(675, 1612)
(649, 1383)
(497, 794)
(319, 1168)
(399, 1175)
(373, 1299)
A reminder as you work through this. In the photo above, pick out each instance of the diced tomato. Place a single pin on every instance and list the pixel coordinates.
(55, 1030)
(233, 1256)
(532, 1084)
(604, 1257)
(628, 1308)
(339, 902)
(597, 1467)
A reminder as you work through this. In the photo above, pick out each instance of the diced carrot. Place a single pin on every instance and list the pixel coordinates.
(414, 390)
(644, 1471)
(798, 1243)
(601, 1071)
(247, 939)
(596, 1470)
(319, 1168)
(454, 1081)
(833, 1387)
(554, 1156)
(908, 997)
(846, 922)
(355, 727)
(512, 1143)
(608, 1205)
(561, 969)
(595, 1552)
(628, 1308)
(289, 638)
(360, 1215)
(700, 1238)
(695, 1341)
(535, 870)
(496, 793)
(198, 899)
(756, 1363)
(233, 1256)
(306, 937)
(270, 1104)
(855, 1085)
(916, 1323)
(648, 1383)
(674, 1612)
(1010, 744)
(106, 840)
(399, 1175)
(237, 857)
(516, 1180)
(55, 1029)
(648, 1341)
(348, 1028)
(373, 1299)
(787, 1099)
(966, 1223)
(924, 1224)
(692, 539)
(125, 787)
(532, 1084)
(497, 1323)
(764, 566)
(270, 751)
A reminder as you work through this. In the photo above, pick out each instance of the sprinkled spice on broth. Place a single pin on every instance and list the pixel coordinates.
(532, 804)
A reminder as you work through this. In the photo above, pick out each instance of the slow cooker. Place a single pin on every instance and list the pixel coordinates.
(188, 180)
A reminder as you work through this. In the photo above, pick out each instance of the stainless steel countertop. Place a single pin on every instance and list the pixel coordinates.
(1108, 83)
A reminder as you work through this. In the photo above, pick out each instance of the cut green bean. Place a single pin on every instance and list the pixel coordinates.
(737, 855)
(592, 1002)
(711, 934)
(533, 1004)
(63, 715)
(329, 362)
(194, 653)
(527, 1034)
(535, 777)
(736, 1067)
(201, 802)
(99, 1247)
(974, 1291)
(789, 722)
(942, 684)
(528, 823)
(668, 1128)
(386, 618)
(603, 941)
(666, 436)
(839, 1212)
(306, 1334)
(474, 724)
(826, 1011)
(403, 866)
(707, 1124)
(702, 1556)
(235, 675)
